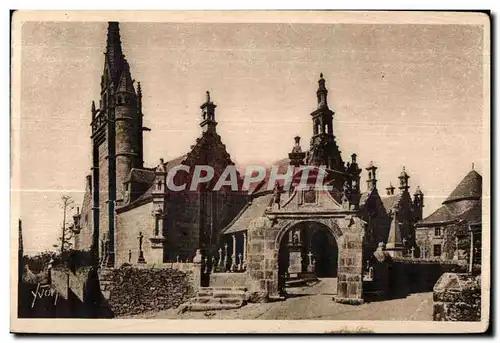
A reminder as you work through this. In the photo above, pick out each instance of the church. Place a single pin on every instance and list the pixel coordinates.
(129, 216)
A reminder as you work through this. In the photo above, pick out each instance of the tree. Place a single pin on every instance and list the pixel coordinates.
(65, 240)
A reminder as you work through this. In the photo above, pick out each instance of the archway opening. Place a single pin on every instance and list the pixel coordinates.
(308, 260)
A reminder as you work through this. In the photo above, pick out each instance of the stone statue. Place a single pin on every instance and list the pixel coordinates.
(277, 194)
(346, 189)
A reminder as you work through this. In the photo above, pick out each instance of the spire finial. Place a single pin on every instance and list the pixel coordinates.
(321, 75)
(208, 96)
(472, 165)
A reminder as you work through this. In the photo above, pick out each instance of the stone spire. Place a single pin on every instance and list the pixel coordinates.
(323, 148)
(297, 156)
(390, 189)
(403, 181)
(208, 122)
(372, 177)
(322, 92)
(126, 84)
(93, 110)
(114, 51)
(394, 240)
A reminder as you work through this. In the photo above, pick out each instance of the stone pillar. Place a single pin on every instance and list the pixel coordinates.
(350, 270)
(245, 257)
(197, 270)
(233, 257)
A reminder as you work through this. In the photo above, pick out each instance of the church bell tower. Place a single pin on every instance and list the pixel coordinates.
(324, 149)
(116, 141)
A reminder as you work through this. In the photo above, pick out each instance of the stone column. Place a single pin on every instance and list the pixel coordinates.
(233, 257)
(350, 267)
(245, 257)
(197, 270)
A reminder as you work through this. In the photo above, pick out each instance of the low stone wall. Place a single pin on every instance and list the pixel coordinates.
(421, 275)
(137, 290)
(396, 277)
(457, 297)
(229, 280)
(59, 277)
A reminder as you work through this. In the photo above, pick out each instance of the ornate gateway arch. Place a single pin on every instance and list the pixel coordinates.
(266, 233)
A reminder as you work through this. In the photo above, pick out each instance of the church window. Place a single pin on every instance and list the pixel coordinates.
(437, 250)
(438, 232)
(157, 226)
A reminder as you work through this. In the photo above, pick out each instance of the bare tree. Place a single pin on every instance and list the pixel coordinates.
(65, 242)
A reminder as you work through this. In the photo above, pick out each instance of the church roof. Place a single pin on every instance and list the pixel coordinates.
(469, 188)
(141, 176)
(254, 209)
(390, 202)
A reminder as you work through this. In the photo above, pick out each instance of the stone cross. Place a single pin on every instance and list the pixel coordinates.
(310, 257)
(412, 252)
(140, 240)
(404, 241)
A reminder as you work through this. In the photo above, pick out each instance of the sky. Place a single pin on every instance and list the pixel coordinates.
(404, 95)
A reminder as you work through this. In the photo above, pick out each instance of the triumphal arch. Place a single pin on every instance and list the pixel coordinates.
(281, 244)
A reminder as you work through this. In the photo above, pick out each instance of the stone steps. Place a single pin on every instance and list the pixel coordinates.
(216, 298)
(105, 280)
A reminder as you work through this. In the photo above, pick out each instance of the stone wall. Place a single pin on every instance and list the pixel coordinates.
(457, 297)
(138, 290)
(128, 226)
(399, 276)
(422, 275)
(229, 279)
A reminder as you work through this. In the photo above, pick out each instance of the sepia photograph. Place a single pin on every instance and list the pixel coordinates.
(255, 171)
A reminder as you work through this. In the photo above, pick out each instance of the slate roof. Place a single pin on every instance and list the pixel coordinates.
(141, 176)
(469, 188)
(464, 203)
(251, 211)
(149, 175)
(390, 202)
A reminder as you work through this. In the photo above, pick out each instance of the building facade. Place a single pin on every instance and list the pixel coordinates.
(444, 234)
(130, 216)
